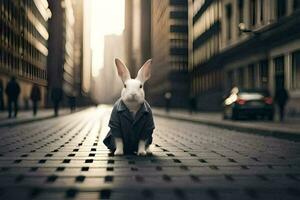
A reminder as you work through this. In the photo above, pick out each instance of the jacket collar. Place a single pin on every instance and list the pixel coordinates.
(122, 107)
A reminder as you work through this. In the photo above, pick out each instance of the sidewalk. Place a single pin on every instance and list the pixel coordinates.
(289, 129)
(27, 116)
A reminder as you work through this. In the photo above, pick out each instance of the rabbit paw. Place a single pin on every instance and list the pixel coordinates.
(148, 151)
(118, 152)
(142, 153)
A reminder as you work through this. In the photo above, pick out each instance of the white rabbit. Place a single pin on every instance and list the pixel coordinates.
(131, 105)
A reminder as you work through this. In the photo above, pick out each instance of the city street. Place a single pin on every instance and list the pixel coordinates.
(64, 158)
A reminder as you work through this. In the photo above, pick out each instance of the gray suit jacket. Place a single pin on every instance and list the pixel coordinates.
(131, 129)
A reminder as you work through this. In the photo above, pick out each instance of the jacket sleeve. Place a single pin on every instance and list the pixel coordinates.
(149, 127)
(114, 123)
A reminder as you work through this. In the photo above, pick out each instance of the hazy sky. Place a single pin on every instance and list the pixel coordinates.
(107, 17)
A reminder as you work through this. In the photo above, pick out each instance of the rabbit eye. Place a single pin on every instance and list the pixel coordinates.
(124, 85)
(141, 86)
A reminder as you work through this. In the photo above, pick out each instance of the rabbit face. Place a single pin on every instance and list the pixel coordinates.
(133, 92)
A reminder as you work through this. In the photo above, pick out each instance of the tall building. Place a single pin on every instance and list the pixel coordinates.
(170, 52)
(107, 85)
(137, 33)
(23, 45)
(87, 51)
(266, 56)
(206, 75)
(82, 96)
(61, 47)
(78, 45)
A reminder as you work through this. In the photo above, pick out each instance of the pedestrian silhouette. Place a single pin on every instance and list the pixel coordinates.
(12, 91)
(56, 96)
(193, 104)
(168, 97)
(35, 97)
(1, 96)
(281, 98)
(72, 103)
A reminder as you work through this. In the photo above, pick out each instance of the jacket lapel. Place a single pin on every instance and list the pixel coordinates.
(142, 111)
(123, 110)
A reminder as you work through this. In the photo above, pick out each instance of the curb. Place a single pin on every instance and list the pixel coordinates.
(10, 124)
(287, 135)
(25, 121)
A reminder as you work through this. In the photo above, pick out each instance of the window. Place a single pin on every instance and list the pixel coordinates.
(241, 13)
(253, 12)
(241, 7)
(240, 77)
(251, 75)
(178, 28)
(264, 73)
(279, 72)
(178, 2)
(296, 4)
(296, 70)
(261, 10)
(281, 8)
(229, 20)
(178, 15)
(230, 79)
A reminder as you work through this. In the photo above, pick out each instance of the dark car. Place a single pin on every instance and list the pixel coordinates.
(245, 103)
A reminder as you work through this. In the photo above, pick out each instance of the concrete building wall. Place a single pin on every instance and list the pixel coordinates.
(206, 39)
(137, 34)
(61, 67)
(264, 57)
(23, 45)
(170, 52)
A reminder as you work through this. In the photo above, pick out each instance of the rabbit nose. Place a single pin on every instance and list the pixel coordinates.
(133, 95)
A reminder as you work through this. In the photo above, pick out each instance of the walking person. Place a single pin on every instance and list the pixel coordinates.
(281, 98)
(12, 91)
(72, 103)
(56, 96)
(192, 104)
(168, 98)
(35, 97)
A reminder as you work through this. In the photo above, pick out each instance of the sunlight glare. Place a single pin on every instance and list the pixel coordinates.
(107, 17)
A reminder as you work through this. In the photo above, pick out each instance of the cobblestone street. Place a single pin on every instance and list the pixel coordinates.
(64, 157)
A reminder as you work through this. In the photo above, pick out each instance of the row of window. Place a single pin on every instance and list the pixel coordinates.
(206, 50)
(14, 42)
(256, 75)
(178, 42)
(207, 19)
(23, 68)
(258, 10)
(295, 84)
(180, 66)
(17, 17)
(202, 83)
(23, 46)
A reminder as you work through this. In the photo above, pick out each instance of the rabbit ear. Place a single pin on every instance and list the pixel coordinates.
(145, 72)
(123, 72)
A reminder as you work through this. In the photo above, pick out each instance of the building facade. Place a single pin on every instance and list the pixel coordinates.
(23, 45)
(137, 34)
(82, 95)
(78, 46)
(107, 85)
(267, 56)
(169, 44)
(61, 48)
(206, 82)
